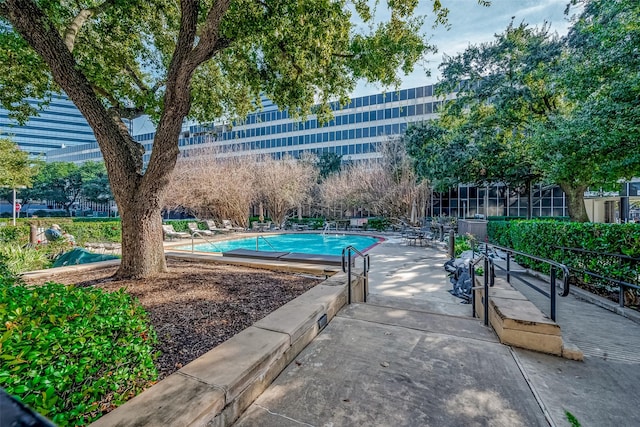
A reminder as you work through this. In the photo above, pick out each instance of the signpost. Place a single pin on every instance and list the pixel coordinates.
(15, 207)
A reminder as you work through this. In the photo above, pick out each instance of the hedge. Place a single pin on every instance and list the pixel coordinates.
(72, 353)
(545, 238)
(93, 231)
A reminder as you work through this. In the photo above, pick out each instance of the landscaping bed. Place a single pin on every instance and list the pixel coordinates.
(75, 353)
(196, 306)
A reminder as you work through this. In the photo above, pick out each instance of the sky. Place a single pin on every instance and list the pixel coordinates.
(472, 24)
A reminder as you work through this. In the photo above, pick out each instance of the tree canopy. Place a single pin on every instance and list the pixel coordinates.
(192, 59)
(16, 169)
(534, 107)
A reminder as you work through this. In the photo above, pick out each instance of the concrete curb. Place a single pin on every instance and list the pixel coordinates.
(216, 388)
(51, 273)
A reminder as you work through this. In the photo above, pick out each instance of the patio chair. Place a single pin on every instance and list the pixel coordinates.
(211, 226)
(226, 223)
(193, 229)
(170, 233)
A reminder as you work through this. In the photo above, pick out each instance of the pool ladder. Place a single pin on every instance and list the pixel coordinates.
(203, 237)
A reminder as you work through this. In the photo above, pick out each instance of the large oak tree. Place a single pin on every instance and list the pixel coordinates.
(534, 107)
(199, 59)
(484, 135)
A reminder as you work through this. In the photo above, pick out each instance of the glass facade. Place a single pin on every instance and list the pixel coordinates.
(57, 126)
(468, 201)
(356, 131)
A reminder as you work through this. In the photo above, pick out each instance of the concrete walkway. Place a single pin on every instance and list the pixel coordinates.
(414, 356)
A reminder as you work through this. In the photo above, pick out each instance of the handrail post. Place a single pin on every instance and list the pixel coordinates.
(621, 296)
(349, 275)
(486, 291)
(473, 288)
(365, 274)
(552, 294)
(508, 267)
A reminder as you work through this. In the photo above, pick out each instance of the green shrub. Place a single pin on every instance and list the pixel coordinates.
(69, 353)
(96, 219)
(98, 231)
(19, 259)
(545, 239)
(463, 243)
(18, 234)
(379, 224)
(83, 231)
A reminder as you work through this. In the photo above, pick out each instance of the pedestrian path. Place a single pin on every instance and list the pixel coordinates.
(414, 356)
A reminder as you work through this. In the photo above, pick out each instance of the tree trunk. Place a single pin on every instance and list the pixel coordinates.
(142, 248)
(138, 195)
(575, 201)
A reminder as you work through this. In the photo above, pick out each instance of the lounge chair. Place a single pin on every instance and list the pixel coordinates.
(226, 223)
(193, 228)
(170, 233)
(211, 225)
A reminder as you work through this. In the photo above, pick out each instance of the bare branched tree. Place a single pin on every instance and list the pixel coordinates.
(214, 187)
(284, 185)
(386, 186)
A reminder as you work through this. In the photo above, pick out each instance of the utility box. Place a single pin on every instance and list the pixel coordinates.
(476, 227)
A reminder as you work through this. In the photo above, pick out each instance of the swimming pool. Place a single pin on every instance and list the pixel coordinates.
(308, 243)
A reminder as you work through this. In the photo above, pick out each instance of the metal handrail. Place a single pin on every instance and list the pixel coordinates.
(622, 284)
(586, 251)
(346, 268)
(554, 266)
(489, 277)
(268, 242)
(194, 233)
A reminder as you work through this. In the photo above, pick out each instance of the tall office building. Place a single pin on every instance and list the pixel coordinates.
(356, 131)
(58, 125)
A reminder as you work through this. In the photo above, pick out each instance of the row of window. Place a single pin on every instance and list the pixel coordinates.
(364, 101)
(339, 135)
(344, 150)
(498, 201)
(345, 119)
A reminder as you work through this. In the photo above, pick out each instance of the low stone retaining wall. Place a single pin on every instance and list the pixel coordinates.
(216, 388)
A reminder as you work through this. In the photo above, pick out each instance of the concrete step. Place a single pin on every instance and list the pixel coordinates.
(518, 322)
(420, 320)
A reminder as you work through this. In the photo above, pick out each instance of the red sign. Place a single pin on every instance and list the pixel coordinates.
(18, 207)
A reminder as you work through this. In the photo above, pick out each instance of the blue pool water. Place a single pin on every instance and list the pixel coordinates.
(329, 244)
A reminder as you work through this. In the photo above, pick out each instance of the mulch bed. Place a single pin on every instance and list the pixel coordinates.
(196, 306)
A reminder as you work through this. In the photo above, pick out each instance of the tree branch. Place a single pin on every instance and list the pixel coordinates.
(137, 80)
(283, 49)
(74, 27)
(210, 41)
